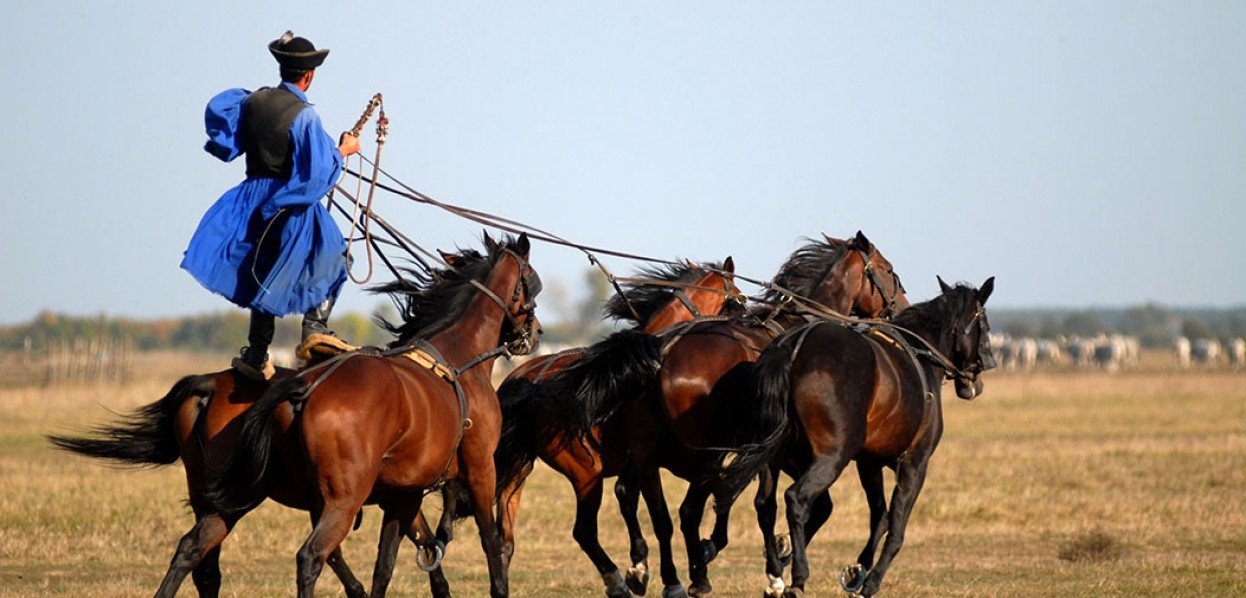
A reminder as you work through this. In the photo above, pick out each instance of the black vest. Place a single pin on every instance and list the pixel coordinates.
(265, 131)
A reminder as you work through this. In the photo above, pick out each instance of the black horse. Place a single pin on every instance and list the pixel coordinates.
(869, 393)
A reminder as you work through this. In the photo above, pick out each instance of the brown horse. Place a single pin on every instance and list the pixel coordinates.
(198, 422)
(386, 428)
(869, 393)
(695, 407)
(535, 395)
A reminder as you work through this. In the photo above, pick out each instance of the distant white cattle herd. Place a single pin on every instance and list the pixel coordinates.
(1111, 352)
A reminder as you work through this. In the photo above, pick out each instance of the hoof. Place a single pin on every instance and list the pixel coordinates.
(794, 593)
(852, 578)
(701, 590)
(675, 591)
(775, 589)
(428, 559)
(615, 588)
(783, 545)
(638, 579)
(709, 550)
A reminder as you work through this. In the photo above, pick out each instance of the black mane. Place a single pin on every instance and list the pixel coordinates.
(939, 314)
(429, 302)
(647, 299)
(805, 270)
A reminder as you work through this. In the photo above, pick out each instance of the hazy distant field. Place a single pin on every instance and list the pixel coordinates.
(1069, 484)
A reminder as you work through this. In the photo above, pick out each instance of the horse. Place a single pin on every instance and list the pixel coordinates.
(867, 392)
(542, 433)
(197, 422)
(687, 412)
(387, 427)
(533, 398)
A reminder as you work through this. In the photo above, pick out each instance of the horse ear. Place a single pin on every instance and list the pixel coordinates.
(943, 286)
(861, 241)
(729, 265)
(523, 244)
(450, 258)
(987, 288)
(490, 244)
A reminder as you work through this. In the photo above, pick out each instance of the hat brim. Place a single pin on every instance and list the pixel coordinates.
(298, 60)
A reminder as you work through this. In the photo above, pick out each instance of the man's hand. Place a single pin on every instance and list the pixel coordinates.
(348, 144)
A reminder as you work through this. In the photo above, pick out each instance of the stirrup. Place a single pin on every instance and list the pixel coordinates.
(318, 345)
(262, 374)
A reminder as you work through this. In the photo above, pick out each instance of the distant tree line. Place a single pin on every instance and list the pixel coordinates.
(1153, 325)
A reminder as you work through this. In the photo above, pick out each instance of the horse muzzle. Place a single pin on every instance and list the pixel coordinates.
(968, 386)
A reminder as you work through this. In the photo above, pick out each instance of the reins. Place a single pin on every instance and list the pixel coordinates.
(399, 188)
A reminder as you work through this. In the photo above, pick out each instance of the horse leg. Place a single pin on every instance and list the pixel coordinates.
(332, 524)
(395, 522)
(691, 512)
(871, 475)
(198, 553)
(351, 584)
(628, 496)
(664, 529)
(508, 508)
(800, 498)
(767, 508)
(587, 505)
(910, 477)
(435, 545)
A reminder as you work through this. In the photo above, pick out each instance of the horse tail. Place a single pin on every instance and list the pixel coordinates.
(770, 380)
(517, 447)
(145, 437)
(612, 372)
(243, 485)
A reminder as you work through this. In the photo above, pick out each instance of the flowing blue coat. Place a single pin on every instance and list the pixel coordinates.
(304, 245)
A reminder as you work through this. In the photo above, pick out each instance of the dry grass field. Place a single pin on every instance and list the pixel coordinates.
(1050, 484)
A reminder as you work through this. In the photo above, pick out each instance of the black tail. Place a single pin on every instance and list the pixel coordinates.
(244, 483)
(614, 371)
(771, 379)
(517, 448)
(144, 437)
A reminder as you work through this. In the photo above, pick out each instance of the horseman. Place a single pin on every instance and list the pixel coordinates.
(268, 244)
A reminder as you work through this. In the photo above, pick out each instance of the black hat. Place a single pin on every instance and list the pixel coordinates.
(296, 52)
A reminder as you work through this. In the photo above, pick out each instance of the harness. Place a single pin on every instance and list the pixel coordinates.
(900, 338)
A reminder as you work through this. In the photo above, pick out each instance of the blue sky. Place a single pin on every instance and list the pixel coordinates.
(1084, 153)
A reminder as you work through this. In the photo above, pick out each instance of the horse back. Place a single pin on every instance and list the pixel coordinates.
(373, 411)
(703, 373)
(855, 390)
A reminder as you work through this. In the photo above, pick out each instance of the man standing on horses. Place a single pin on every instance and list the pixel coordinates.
(268, 244)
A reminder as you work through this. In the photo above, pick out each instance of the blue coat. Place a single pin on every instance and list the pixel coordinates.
(239, 237)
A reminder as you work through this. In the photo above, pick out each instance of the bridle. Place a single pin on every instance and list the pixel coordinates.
(872, 275)
(529, 286)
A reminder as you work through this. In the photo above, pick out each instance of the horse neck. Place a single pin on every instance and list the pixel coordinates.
(842, 284)
(478, 329)
(706, 298)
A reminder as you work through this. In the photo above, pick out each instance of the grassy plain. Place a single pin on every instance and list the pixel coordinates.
(1056, 483)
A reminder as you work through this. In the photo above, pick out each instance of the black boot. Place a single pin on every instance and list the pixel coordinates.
(253, 360)
(318, 340)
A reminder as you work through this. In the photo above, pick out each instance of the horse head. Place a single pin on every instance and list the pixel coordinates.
(970, 332)
(881, 294)
(521, 331)
(676, 293)
(850, 277)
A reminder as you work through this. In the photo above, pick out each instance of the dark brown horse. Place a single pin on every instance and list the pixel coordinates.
(695, 405)
(385, 428)
(534, 396)
(869, 393)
